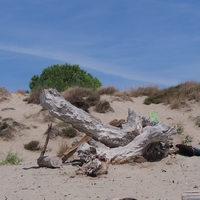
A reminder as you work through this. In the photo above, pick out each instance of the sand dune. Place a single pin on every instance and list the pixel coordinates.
(166, 179)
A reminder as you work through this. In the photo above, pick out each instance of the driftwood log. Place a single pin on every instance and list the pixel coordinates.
(49, 162)
(45, 161)
(191, 195)
(133, 139)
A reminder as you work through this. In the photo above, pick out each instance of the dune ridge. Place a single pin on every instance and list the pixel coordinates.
(166, 179)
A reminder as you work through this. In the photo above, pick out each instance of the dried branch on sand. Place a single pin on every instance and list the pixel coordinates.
(45, 161)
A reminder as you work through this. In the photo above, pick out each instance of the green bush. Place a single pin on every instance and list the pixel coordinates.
(62, 77)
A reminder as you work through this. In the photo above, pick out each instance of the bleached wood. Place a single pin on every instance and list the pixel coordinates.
(110, 136)
(50, 162)
(45, 161)
(47, 140)
(125, 144)
(191, 195)
(72, 150)
(137, 147)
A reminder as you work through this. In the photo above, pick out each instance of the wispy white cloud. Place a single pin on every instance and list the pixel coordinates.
(146, 41)
(127, 72)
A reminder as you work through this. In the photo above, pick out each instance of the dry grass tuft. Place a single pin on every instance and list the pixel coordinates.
(93, 99)
(80, 103)
(8, 128)
(34, 97)
(6, 131)
(143, 91)
(122, 96)
(110, 90)
(179, 126)
(22, 92)
(64, 130)
(77, 97)
(103, 107)
(81, 97)
(72, 92)
(69, 132)
(176, 95)
(197, 121)
(4, 94)
(45, 115)
(32, 146)
(176, 103)
(11, 159)
(63, 147)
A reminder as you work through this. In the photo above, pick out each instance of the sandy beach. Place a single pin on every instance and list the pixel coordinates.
(163, 180)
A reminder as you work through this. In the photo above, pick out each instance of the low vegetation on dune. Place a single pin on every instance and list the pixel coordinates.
(4, 94)
(110, 90)
(122, 96)
(33, 145)
(34, 97)
(176, 96)
(8, 128)
(11, 159)
(180, 127)
(63, 147)
(81, 97)
(143, 91)
(197, 121)
(83, 90)
(103, 107)
(84, 98)
(22, 92)
(72, 92)
(64, 130)
(187, 140)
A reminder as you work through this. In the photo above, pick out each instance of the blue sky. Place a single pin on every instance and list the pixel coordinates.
(124, 43)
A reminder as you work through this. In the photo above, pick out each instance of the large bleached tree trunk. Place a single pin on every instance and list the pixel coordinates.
(110, 136)
(121, 144)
